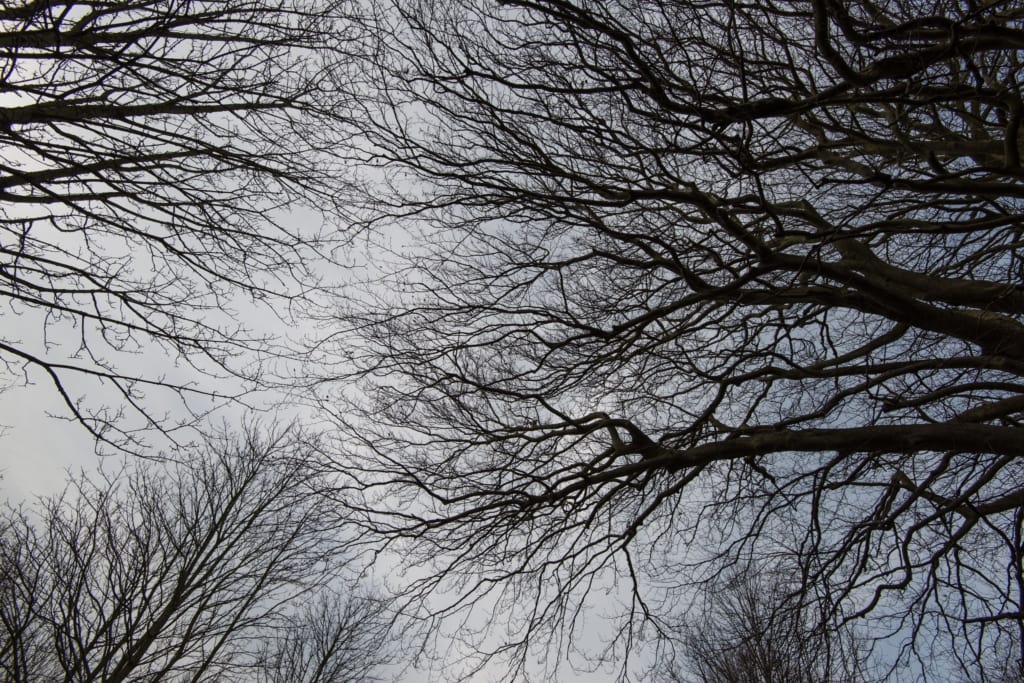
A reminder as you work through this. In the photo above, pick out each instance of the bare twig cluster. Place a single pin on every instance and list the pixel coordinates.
(148, 152)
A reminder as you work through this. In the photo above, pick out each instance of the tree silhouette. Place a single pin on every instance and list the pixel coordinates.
(335, 639)
(697, 282)
(191, 572)
(148, 150)
(754, 630)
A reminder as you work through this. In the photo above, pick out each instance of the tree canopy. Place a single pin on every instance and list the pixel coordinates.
(696, 284)
(659, 292)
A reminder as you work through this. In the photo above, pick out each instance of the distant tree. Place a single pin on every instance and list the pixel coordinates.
(335, 639)
(192, 572)
(754, 629)
(698, 282)
(1006, 670)
(149, 150)
(1000, 664)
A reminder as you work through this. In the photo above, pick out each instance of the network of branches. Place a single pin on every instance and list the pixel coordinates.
(694, 284)
(230, 568)
(684, 288)
(148, 151)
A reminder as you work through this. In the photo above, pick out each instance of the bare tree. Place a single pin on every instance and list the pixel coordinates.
(148, 153)
(335, 639)
(190, 572)
(754, 629)
(701, 282)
